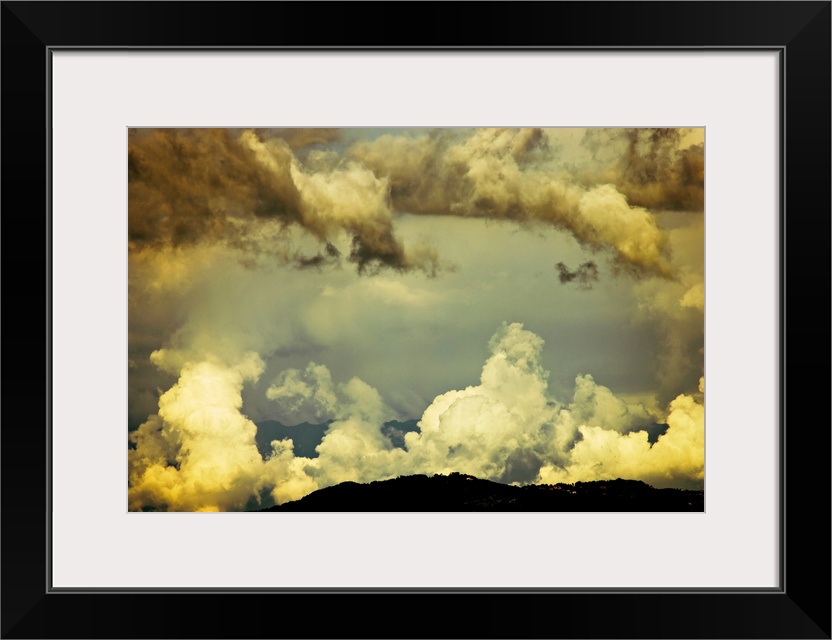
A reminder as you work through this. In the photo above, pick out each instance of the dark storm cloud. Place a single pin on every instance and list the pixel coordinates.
(653, 171)
(192, 186)
(329, 256)
(184, 185)
(583, 276)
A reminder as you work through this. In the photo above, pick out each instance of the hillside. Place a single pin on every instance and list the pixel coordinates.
(460, 493)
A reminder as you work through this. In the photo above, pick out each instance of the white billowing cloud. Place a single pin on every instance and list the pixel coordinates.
(500, 429)
(596, 405)
(677, 459)
(305, 395)
(353, 448)
(631, 230)
(198, 452)
(348, 197)
(292, 477)
(313, 391)
(508, 428)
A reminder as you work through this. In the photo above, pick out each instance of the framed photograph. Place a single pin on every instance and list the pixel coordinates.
(442, 307)
(374, 266)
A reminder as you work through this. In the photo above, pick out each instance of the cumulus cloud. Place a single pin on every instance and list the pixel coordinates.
(354, 446)
(509, 429)
(198, 452)
(305, 396)
(595, 405)
(501, 429)
(677, 459)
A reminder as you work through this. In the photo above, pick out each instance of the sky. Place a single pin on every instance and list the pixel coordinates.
(533, 297)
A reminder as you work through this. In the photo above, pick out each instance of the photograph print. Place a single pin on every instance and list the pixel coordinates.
(435, 320)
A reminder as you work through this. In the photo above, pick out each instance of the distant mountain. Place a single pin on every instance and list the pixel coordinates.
(459, 492)
(306, 436)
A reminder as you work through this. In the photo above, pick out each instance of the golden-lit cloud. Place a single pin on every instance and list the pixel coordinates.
(506, 174)
(199, 451)
(694, 297)
(676, 459)
(658, 169)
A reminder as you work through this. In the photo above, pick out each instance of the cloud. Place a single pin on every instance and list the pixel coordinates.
(674, 309)
(307, 396)
(677, 459)
(507, 174)
(483, 429)
(584, 276)
(694, 297)
(187, 185)
(347, 198)
(656, 169)
(353, 448)
(595, 405)
(192, 186)
(198, 452)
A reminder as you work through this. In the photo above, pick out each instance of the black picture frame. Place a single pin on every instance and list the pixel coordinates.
(799, 608)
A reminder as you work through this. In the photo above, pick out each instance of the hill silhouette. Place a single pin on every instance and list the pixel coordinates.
(460, 493)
